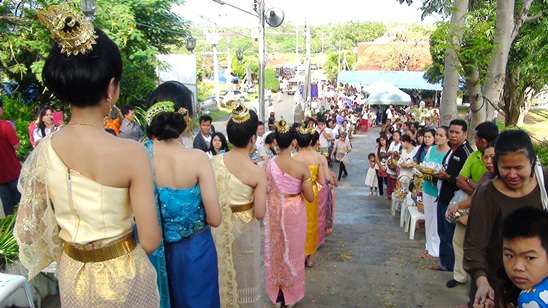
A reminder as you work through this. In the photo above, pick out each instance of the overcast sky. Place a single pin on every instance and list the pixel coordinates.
(315, 11)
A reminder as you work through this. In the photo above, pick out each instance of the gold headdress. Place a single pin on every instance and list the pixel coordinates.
(240, 114)
(69, 29)
(303, 130)
(159, 107)
(311, 129)
(282, 127)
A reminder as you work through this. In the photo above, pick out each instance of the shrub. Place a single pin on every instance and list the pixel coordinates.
(16, 110)
(541, 149)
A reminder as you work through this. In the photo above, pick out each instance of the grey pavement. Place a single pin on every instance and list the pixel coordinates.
(368, 261)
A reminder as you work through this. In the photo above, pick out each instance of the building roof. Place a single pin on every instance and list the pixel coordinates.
(401, 79)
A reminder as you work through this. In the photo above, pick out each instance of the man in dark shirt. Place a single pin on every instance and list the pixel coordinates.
(9, 165)
(202, 141)
(452, 164)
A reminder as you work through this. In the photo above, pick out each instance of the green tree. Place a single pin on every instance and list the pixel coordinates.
(271, 82)
(141, 29)
(331, 64)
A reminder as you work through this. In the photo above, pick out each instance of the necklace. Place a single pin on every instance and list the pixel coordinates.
(84, 124)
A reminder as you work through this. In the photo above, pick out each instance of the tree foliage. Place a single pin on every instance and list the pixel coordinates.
(527, 69)
(141, 29)
(331, 64)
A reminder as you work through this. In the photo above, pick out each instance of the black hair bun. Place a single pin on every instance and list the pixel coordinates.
(167, 125)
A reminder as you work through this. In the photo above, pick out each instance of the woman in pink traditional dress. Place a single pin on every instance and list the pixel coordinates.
(285, 221)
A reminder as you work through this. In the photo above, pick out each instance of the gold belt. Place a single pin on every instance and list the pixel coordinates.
(108, 252)
(241, 208)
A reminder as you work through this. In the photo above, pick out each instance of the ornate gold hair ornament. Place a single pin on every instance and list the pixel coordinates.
(303, 130)
(282, 127)
(68, 28)
(240, 114)
(159, 107)
(311, 129)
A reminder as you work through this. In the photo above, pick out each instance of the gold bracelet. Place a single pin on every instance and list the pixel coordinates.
(309, 180)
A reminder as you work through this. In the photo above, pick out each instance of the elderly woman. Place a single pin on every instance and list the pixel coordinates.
(516, 186)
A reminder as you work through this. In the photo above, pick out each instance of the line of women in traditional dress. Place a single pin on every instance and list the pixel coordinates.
(203, 237)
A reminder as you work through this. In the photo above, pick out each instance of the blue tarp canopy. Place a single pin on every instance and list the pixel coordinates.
(223, 75)
(400, 79)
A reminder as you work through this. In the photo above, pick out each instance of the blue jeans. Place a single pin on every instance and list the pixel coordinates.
(10, 196)
(445, 231)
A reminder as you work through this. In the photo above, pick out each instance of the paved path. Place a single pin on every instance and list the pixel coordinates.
(368, 261)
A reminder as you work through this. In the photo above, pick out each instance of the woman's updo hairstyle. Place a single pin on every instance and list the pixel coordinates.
(172, 91)
(82, 79)
(303, 136)
(169, 124)
(166, 125)
(514, 141)
(284, 134)
(241, 126)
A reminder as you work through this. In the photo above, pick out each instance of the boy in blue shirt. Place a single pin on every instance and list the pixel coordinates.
(525, 246)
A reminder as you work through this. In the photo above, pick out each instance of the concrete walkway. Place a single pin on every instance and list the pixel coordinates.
(368, 261)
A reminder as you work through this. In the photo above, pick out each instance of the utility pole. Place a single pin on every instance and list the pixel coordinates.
(228, 64)
(339, 59)
(297, 62)
(308, 78)
(323, 56)
(213, 40)
(260, 9)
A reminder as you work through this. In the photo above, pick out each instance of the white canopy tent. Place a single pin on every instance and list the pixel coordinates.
(385, 93)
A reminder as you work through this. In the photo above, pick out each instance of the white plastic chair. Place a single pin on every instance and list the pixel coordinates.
(407, 202)
(411, 222)
(9, 284)
(395, 204)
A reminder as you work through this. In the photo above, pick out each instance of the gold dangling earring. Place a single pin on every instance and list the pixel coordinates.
(109, 102)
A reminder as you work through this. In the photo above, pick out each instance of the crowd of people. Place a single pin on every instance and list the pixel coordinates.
(183, 226)
(469, 198)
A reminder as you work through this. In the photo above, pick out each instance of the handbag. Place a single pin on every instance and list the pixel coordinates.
(540, 179)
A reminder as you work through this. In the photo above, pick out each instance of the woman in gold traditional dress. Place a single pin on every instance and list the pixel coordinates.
(309, 156)
(81, 192)
(242, 196)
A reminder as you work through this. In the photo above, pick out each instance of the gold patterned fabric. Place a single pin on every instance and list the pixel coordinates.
(83, 219)
(312, 215)
(126, 281)
(238, 242)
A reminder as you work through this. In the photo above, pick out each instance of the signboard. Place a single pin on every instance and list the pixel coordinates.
(181, 68)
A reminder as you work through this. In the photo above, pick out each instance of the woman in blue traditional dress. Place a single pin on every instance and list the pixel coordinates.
(187, 204)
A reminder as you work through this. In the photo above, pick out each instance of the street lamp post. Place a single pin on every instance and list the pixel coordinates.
(88, 8)
(213, 40)
(239, 55)
(274, 17)
(190, 44)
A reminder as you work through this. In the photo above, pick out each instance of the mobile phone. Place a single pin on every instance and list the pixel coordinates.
(57, 118)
